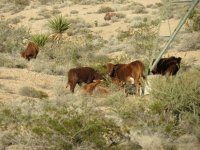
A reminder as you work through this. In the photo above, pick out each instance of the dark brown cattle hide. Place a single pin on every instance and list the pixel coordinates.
(167, 66)
(82, 75)
(31, 51)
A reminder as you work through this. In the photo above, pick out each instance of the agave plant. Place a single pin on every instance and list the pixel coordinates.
(59, 24)
(40, 39)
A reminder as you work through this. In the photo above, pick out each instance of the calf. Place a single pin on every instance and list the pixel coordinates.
(89, 88)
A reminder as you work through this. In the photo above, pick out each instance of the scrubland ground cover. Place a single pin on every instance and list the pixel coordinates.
(38, 112)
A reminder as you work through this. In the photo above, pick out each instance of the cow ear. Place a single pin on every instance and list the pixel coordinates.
(179, 59)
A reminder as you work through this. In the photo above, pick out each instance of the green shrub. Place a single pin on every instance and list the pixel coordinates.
(40, 39)
(58, 24)
(56, 126)
(32, 92)
(123, 35)
(181, 96)
(143, 39)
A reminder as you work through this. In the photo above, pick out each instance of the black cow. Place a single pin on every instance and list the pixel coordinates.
(167, 66)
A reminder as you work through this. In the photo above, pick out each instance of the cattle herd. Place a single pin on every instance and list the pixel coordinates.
(120, 74)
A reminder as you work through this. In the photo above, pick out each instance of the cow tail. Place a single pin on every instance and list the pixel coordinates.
(143, 78)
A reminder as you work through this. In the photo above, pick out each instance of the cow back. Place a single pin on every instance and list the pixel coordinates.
(83, 74)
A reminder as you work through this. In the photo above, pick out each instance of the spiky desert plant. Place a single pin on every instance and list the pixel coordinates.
(58, 24)
(40, 39)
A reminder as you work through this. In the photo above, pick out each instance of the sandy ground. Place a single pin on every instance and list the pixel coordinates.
(12, 80)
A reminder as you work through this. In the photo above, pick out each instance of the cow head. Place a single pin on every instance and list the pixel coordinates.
(114, 70)
(178, 60)
(109, 67)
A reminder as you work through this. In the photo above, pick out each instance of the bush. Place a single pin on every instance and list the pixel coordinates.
(45, 2)
(123, 35)
(12, 63)
(32, 92)
(74, 12)
(180, 96)
(196, 23)
(139, 9)
(105, 9)
(11, 38)
(19, 2)
(144, 38)
(120, 15)
(189, 41)
(58, 24)
(40, 39)
(48, 124)
(78, 26)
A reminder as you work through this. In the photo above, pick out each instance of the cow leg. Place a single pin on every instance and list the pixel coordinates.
(72, 87)
(137, 86)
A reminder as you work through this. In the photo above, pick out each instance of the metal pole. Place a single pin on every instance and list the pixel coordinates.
(182, 21)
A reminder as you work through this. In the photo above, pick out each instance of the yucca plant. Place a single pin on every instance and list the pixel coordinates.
(59, 24)
(40, 39)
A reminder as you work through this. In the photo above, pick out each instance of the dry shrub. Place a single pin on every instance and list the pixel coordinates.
(178, 97)
(189, 41)
(7, 61)
(32, 92)
(105, 9)
(11, 38)
(19, 2)
(136, 8)
(55, 125)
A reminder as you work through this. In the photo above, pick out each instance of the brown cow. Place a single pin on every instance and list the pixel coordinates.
(167, 66)
(109, 15)
(109, 67)
(124, 72)
(80, 75)
(31, 51)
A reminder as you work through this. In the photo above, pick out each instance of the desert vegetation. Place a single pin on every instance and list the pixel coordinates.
(38, 112)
